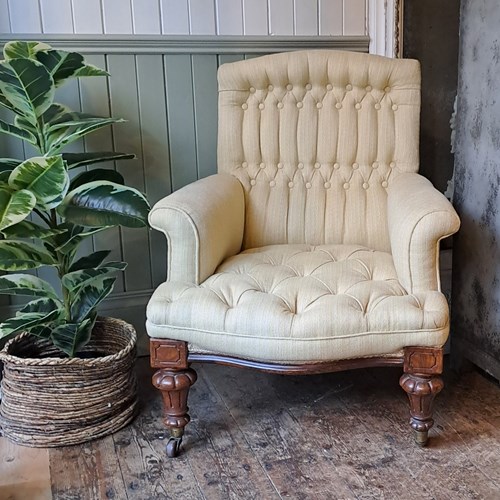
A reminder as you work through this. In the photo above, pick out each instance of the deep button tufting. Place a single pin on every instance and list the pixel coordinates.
(355, 166)
(252, 182)
(308, 185)
(244, 105)
(308, 86)
(244, 164)
(346, 185)
(394, 107)
(375, 164)
(290, 184)
(270, 88)
(377, 106)
(348, 86)
(289, 86)
(392, 164)
(357, 105)
(252, 90)
(365, 185)
(338, 105)
(262, 165)
(368, 88)
(280, 165)
(384, 184)
(329, 87)
(299, 105)
(272, 183)
(319, 105)
(280, 105)
(261, 105)
(300, 165)
(336, 166)
(317, 165)
(387, 89)
(327, 185)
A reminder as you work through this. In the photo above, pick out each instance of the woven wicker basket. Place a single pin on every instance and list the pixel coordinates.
(51, 401)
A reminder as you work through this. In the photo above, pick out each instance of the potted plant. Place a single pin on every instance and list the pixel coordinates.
(68, 375)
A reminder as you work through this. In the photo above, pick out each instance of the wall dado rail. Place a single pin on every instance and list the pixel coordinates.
(166, 89)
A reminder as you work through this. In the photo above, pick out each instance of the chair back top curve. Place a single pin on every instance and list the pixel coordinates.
(315, 137)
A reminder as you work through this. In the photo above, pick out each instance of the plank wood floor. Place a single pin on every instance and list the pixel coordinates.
(260, 436)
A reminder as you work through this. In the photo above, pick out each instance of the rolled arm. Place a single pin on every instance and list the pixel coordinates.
(203, 223)
(419, 216)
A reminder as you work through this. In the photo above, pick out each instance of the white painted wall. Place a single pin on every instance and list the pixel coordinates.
(184, 17)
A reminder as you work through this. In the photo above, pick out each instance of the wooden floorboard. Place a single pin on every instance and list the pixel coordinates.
(260, 436)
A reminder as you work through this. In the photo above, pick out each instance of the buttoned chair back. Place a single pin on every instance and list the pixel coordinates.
(316, 138)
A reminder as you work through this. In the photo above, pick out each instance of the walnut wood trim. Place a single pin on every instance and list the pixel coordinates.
(423, 360)
(168, 354)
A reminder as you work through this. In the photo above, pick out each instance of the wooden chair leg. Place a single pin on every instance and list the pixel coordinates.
(174, 379)
(421, 381)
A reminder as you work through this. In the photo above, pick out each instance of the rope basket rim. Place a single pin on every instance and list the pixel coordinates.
(7, 358)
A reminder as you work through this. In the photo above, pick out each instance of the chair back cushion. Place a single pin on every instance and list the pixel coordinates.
(315, 138)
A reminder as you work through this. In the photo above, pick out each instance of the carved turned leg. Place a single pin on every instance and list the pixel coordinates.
(173, 379)
(421, 381)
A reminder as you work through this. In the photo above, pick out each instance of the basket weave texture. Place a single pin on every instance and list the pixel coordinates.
(50, 401)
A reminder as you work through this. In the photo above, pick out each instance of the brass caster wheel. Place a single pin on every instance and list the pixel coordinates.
(421, 437)
(173, 446)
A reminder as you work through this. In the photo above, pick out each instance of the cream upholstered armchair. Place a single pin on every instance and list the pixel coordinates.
(315, 248)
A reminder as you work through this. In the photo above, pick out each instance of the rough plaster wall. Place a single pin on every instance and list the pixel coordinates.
(476, 265)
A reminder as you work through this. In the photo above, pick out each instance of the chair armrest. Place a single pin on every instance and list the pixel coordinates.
(203, 223)
(419, 216)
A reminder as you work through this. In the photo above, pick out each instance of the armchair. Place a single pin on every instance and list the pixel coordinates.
(315, 248)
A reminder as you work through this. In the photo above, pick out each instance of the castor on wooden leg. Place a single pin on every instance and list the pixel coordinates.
(174, 380)
(421, 381)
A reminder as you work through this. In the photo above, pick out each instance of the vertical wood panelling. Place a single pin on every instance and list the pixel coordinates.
(117, 16)
(354, 22)
(229, 17)
(87, 16)
(255, 17)
(4, 17)
(202, 17)
(25, 16)
(146, 17)
(306, 17)
(281, 17)
(127, 138)
(94, 97)
(205, 110)
(330, 17)
(57, 16)
(180, 111)
(175, 17)
(154, 137)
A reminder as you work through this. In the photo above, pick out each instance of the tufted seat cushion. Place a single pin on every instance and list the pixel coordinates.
(300, 303)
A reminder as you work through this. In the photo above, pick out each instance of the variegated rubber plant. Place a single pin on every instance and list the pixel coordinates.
(44, 212)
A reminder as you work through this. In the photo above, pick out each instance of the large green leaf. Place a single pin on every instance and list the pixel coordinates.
(18, 132)
(15, 207)
(8, 164)
(71, 337)
(96, 174)
(45, 177)
(79, 159)
(26, 321)
(90, 261)
(21, 49)
(76, 279)
(63, 65)
(26, 284)
(27, 86)
(21, 255)
(90, 296)
(44, 304)
(28, 229)
(103, 203)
